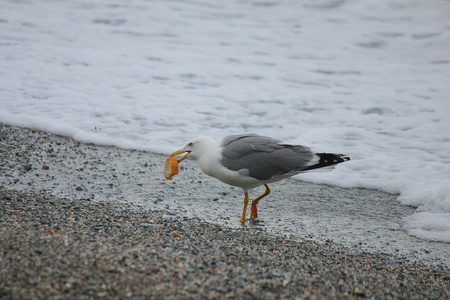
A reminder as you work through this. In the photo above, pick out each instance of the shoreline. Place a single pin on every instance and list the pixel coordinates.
(360, 219)
(80, 245)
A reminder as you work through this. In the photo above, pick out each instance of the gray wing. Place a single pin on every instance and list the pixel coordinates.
(263, 157)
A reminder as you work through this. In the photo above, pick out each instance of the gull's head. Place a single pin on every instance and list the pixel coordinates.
(196, 147)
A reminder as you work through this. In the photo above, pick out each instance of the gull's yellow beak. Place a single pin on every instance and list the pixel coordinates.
(178, 152)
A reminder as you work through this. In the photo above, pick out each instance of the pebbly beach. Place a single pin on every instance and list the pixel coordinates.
(68, 230)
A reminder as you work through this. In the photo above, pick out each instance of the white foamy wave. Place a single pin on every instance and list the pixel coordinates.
(432, 219)
(429, 226)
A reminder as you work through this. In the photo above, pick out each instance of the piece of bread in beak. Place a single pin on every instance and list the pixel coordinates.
(171, 168)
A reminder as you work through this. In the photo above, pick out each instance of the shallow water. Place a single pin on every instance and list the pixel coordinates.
(361, 219)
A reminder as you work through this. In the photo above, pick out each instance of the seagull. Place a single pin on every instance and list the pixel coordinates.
(250, 160)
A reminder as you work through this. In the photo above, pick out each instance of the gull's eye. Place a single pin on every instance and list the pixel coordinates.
(191, 144)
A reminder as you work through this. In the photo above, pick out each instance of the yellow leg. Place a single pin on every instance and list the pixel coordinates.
(246, 199)
(254, 212)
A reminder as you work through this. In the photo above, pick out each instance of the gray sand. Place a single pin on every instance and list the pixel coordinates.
(360, 219)
(68, 232)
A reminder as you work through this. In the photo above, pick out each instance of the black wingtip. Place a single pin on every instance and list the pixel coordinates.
(328, 159)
